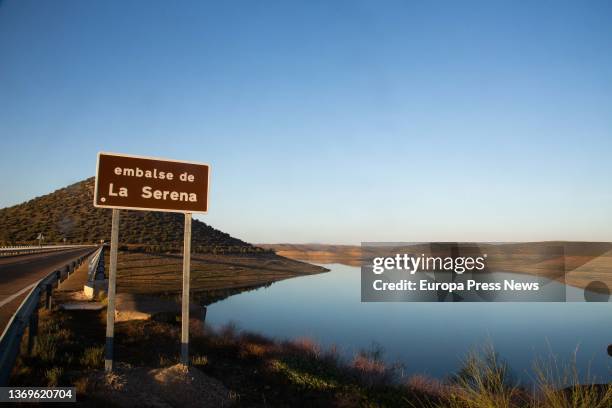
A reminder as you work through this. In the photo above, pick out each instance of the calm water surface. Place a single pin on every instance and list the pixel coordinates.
(429, 338)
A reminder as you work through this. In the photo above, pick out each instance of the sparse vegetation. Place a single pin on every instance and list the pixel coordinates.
(199, 360)
(93, 357)
(262, 372)
(61, 348)
(552, 375)
(46, 347)
(485, 381)
(54, 376)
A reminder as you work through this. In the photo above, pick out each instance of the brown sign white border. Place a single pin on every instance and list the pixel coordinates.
(95, 198)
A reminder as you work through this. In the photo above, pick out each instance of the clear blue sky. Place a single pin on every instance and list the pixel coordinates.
(326, 121)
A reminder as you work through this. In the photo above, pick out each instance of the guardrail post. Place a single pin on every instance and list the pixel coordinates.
(204, 310)
(32, 330)
(99, 272)
(95, 275)
(48, 291)
(203, 317)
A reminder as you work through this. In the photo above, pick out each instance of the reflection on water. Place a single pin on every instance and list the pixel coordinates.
(428, 338)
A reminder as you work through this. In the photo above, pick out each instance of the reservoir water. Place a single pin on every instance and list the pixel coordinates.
(428, 338)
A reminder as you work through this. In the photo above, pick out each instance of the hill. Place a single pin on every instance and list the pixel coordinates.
(149, 245)
(69, 214)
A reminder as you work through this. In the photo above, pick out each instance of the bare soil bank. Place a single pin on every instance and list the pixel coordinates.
(319, 253)
(215, 275)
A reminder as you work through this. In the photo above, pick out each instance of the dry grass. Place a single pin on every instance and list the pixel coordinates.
(199, 360)
(92, 357)
(559, 386)
(54, 376)
(484, 381)
(168, 361)
(427, 385)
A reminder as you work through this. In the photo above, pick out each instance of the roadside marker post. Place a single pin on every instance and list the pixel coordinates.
(149, 184)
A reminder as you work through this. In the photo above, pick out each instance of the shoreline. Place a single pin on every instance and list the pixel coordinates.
(586, 262)
(254, 370)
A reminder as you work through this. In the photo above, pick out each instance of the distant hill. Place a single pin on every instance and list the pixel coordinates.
(583, 263)
(69, 213)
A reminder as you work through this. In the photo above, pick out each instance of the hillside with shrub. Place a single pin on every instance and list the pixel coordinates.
(68, 214)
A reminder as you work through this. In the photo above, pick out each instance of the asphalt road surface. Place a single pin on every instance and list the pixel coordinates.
(19, 273)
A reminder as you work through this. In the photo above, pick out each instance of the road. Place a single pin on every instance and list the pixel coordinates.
(19, 273)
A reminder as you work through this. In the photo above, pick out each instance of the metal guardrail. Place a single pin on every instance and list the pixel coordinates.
(19, 250)
(27, 315)
(96, 266)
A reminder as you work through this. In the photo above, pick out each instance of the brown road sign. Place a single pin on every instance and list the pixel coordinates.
(147, 183)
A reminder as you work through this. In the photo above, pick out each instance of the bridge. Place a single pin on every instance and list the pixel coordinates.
(27, 278)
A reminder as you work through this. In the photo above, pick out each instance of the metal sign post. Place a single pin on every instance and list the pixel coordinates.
(186, 277)
(112, 278)
(149, 184)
